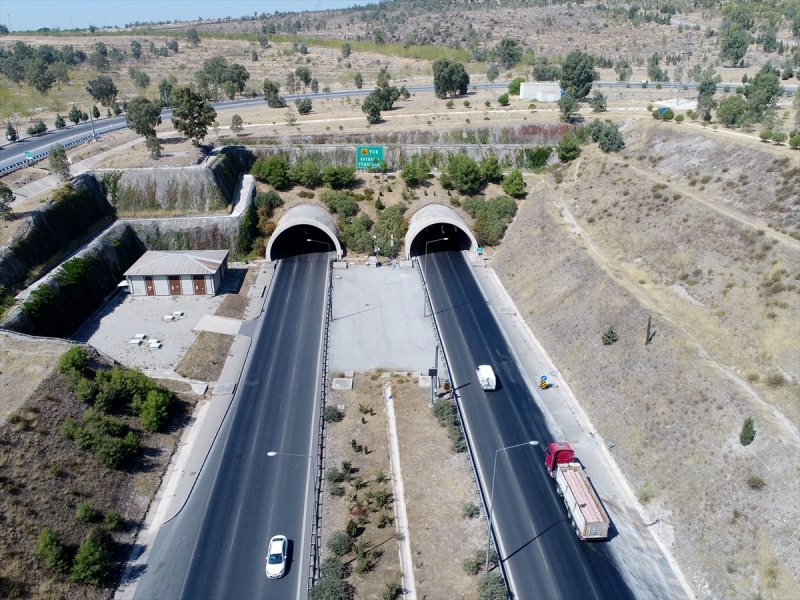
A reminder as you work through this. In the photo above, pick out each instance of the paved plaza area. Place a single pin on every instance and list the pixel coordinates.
(378, 322)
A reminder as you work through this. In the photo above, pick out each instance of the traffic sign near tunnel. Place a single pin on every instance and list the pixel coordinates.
(368, 157)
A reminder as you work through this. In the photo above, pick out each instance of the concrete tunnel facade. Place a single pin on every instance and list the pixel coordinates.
(438, 214)
(306, 215)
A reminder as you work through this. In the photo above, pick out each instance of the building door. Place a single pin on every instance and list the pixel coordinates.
(174, 285)
(149, 286)
(199, 285)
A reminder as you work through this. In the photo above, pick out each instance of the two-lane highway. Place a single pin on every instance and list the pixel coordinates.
(541, 553)
(217, 545)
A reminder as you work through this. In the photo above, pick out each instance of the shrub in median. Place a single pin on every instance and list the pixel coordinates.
(339, 543)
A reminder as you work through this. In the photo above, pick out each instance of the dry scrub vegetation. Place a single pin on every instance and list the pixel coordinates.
(44, 477)
(437, 482)
(368, 475)
(726, 343)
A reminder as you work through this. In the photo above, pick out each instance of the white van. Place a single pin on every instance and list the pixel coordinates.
(486, 377)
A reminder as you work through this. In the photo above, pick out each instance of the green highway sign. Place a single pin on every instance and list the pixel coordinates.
(369, 157)
(28, 155)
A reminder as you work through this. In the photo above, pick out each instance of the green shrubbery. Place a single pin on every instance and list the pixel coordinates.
(416, 170)
(93, 559)
(339, 203)
(492, 587)
(109, 438)
(50, 549)
(445, 412)
(491, 217)
(607, 135)
(748, 433)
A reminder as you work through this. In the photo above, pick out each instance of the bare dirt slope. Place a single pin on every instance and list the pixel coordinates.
(24, 363)
(616, 243)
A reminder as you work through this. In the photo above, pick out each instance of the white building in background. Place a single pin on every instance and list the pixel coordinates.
(178, 273)
(541, 91)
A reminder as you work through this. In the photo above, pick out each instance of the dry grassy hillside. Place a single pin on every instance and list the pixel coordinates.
(618, 241)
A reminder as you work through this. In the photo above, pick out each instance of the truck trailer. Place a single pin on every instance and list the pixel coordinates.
(589, 518)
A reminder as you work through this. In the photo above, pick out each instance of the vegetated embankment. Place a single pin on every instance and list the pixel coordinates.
(72, 212)
(612, 247)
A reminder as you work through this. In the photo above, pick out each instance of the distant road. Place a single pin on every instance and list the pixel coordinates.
(13, 153)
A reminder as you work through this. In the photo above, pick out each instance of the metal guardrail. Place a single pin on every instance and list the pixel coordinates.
(470, 451)
(27, 162)
(313, 566)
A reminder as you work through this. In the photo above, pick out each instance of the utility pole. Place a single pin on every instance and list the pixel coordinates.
(91, 120)
(433, 373)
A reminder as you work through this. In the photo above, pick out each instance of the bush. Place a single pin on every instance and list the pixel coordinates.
(332, 567)
(331, 414)
(748, 433)
(463, 174)
(679, 118)
(392, 591)
(339, 203)
(155, 409)
(333, 475)
(794, 141)
(469, 510)
(491, 170)
(491, 217)
(49, 548)
(765, 135)
(415, 171)
(645, 493)
(112, 521)
(85, 391)
(339, 543)
(73, 359)
(91, 564)
(445, 411)
(384, 521)
(668, 115)
(338, 177)
(449, 104)
(351, 528)
(269, 201)
(607, 136)
(779, 137)
(755, 482)
(503, 100)
(568, 148)
(37, 128)
(307, 173)
(492, 587)
(514, 86)
(471, 565)
(329, 588)
(86, 513)
(378, 204)
(775, 380)
(513, 184)
(609, 336)
(274, 170)
(68, 428)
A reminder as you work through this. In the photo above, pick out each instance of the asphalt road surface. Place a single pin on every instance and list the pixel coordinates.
(217, 545)
(542, 555)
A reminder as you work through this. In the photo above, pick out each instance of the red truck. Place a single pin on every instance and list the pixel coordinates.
(589, 518)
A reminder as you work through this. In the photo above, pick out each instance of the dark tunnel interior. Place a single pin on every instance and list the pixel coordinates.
(433, 237)
(301, 239)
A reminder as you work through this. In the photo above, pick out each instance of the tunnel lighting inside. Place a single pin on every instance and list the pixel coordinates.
(434, 236)
(301, 239)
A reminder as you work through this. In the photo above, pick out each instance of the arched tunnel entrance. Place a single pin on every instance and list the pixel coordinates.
(304, 229)
(435, 228)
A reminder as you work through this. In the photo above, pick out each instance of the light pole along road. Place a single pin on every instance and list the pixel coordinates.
(537, 547)
(215, 546)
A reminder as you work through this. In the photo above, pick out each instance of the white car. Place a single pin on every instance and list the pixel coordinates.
(276, 559)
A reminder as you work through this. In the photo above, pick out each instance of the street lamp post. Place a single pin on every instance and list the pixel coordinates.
(425, 272)
(491, 496)
(320, 242)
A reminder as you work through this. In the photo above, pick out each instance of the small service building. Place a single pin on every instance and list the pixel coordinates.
(177, 273)
(541, 91)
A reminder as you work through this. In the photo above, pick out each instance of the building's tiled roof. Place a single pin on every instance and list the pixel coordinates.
(180, 262)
